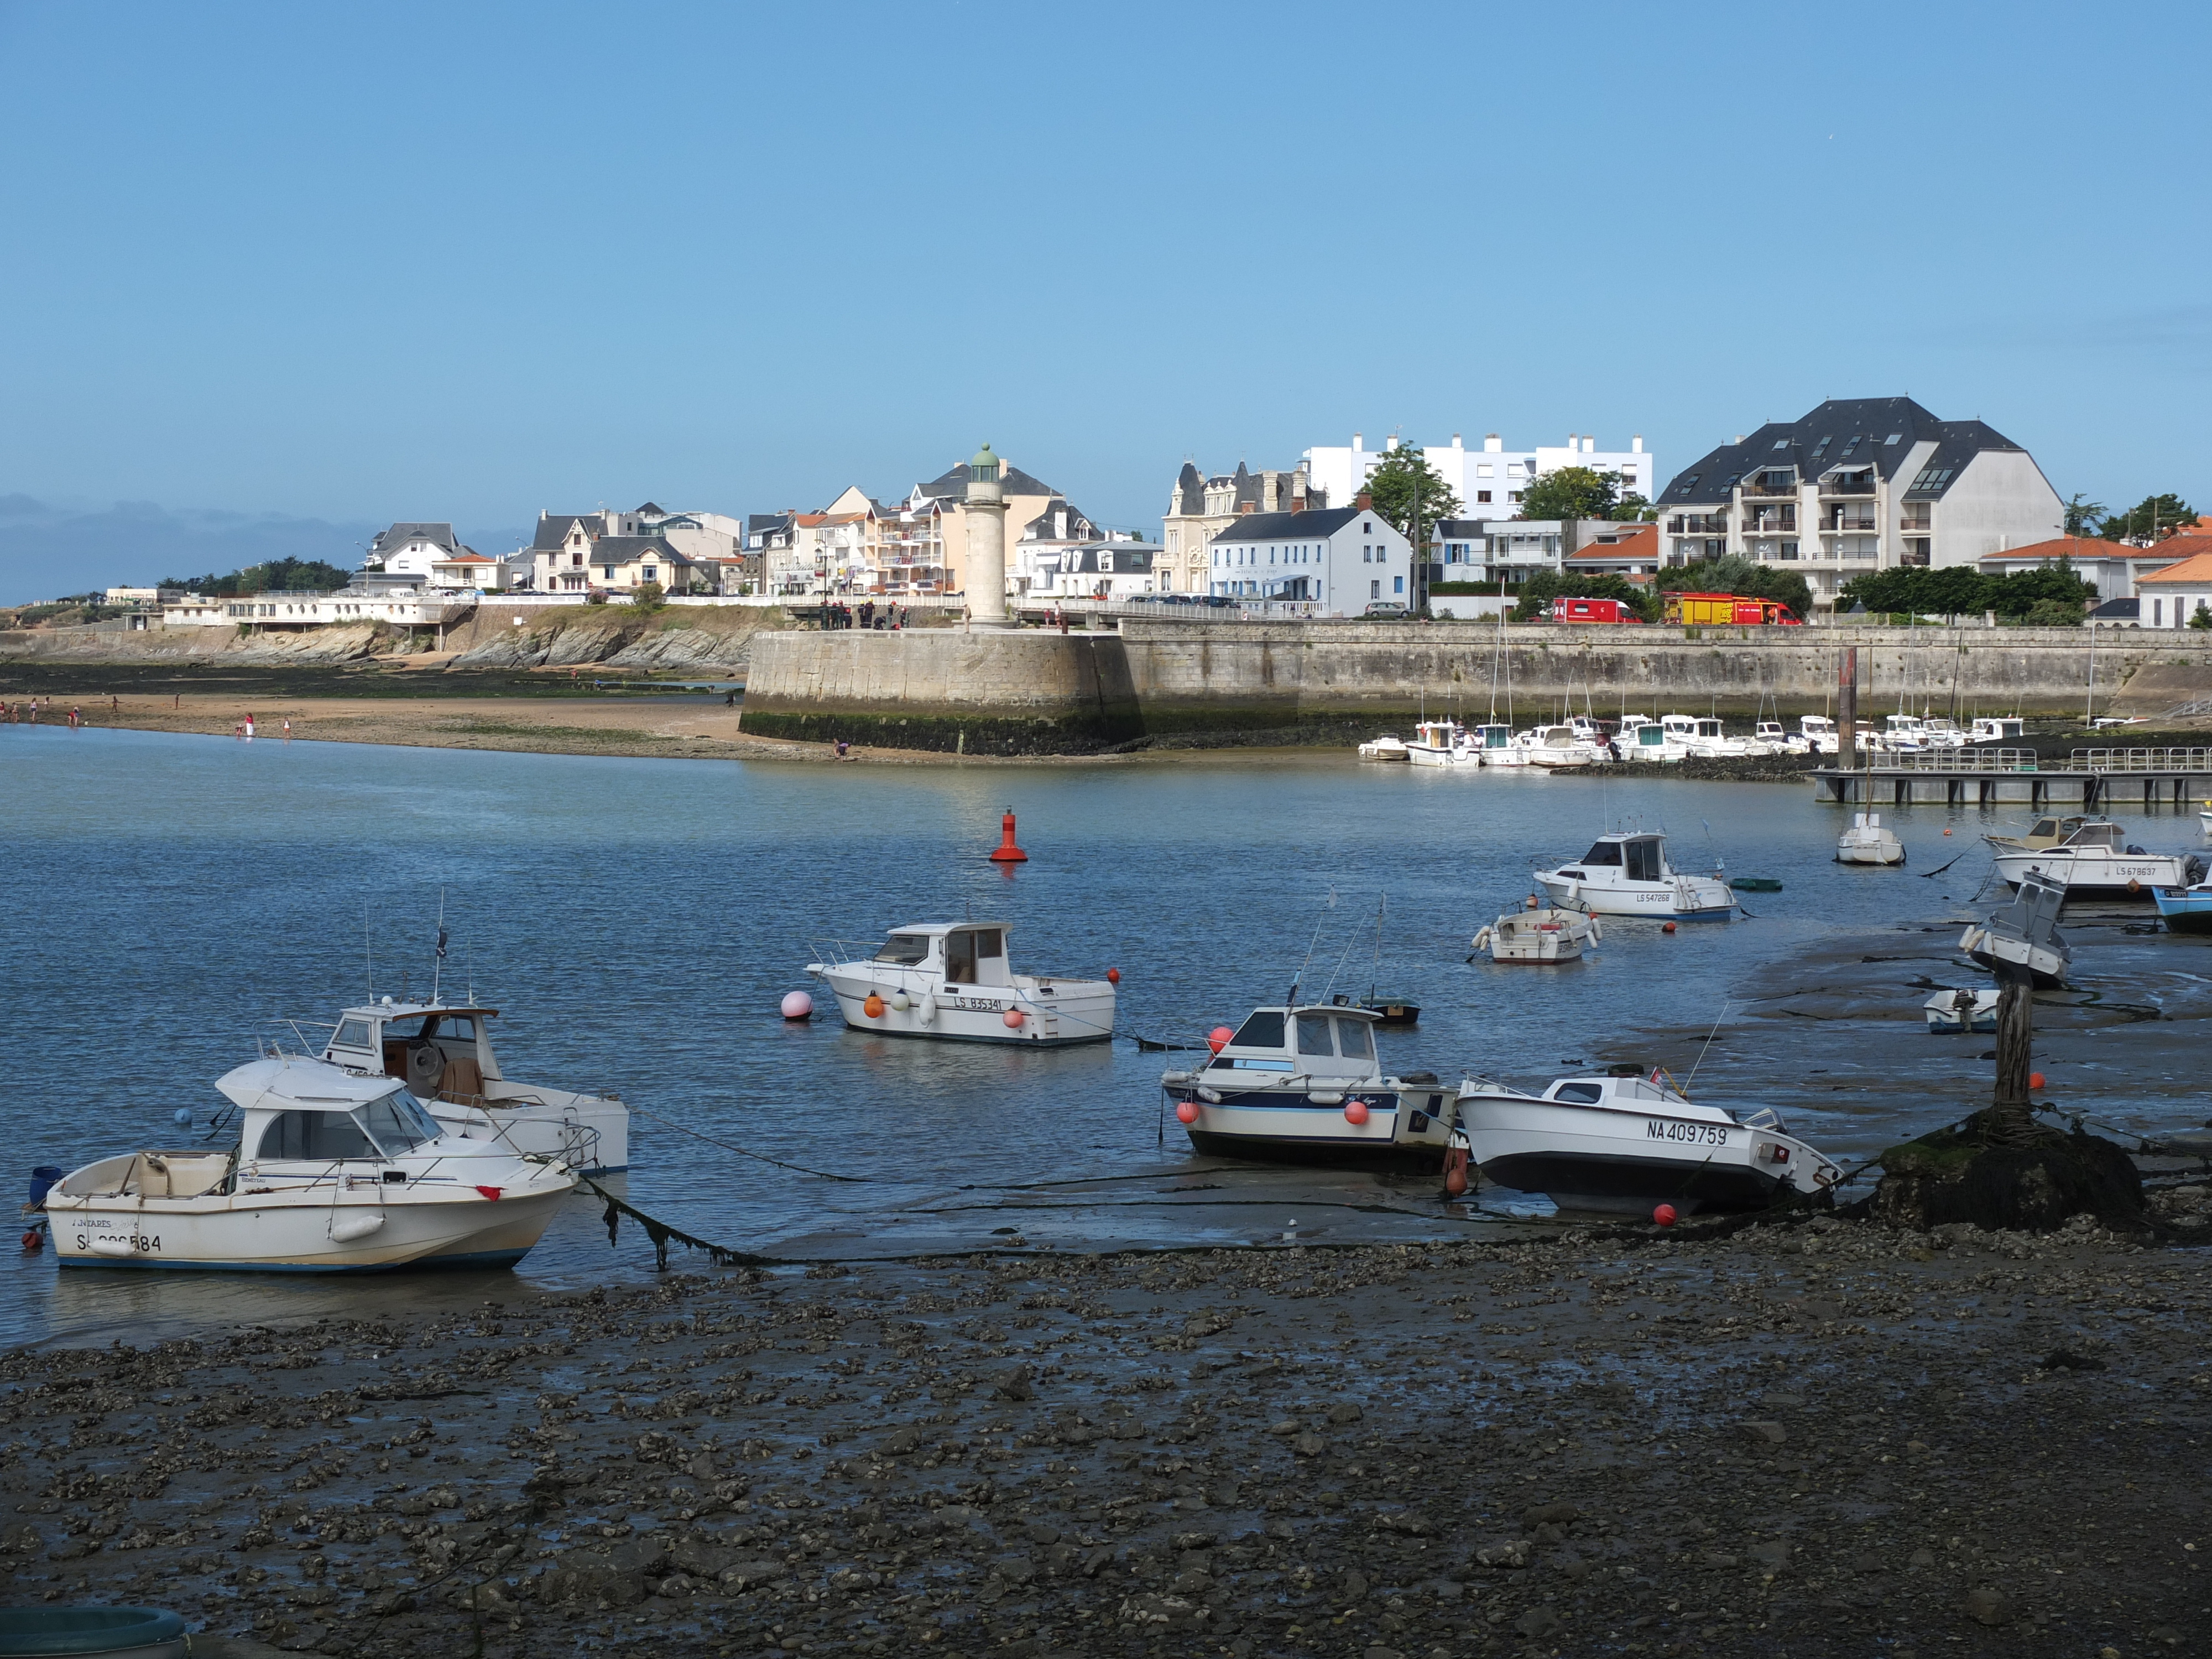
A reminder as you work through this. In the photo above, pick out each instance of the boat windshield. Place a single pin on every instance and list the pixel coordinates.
(1313, 1035)
(1605, 852)
(398, 1123)
(313, 1137)
(907, 950)
(1263, 1029)
(1351, 1037)
(352, 1034)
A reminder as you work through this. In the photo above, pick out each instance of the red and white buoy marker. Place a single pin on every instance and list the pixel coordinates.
(1005, 852)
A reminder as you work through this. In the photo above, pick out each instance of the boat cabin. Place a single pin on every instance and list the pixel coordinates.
(439, 1050)
(1492, 736)
(1995, 729)
(950, 952)
(294, 1111)
(2100, 832)
(1642, 734)
(1641, 857)
(1334, 1041)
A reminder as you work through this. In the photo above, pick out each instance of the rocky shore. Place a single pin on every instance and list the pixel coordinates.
(1823, 1439)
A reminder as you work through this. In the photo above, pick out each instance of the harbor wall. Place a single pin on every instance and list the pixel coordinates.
(1033, 692)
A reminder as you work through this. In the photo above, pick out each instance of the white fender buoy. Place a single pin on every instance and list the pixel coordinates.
(901, 1001)
(105, 1245)
(1482, 939)
(354, 1226)
(925, 1010)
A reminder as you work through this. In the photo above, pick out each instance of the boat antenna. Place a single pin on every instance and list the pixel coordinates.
(1700, 1060)
(1381, 904)
(437, 962)
(1340, 961)
(368, 955)
(1292, 1001)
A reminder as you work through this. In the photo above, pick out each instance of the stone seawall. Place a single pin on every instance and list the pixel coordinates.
(1031, 691)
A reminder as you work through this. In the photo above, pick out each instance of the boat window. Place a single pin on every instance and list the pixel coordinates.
(352, 1034)
(1582, 1094)
(990, 941)
(1605, 851)
(1351, 1037)
(907, 950)
(459, 1027)
(1313, 1035)
(1643, 862)
(960, 958)
(313, 1137)
(1261, 1030)
(398, 1123)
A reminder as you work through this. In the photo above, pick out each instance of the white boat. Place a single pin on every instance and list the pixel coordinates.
(1990, 729)
(1954, 1014)
(442, 1052)
(1302, 1083)
(1496, 745)
(2025, 934)
(1816, 734)
(1557, 747)
(1705, 738)
(334, 1172)
(1387, 746)
(2044, 833)
(1441, 743)
(1936, 733)
(1539, 936)
(952, 981)
(1626, 1143)
(1640, 738)
(1903, 735)
(1770, 736)
(1868, 842)
(1628, 875)
(2096, 858)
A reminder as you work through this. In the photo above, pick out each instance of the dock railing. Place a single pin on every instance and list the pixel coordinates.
(2141, 760)
(1990, 759)
(1957, 760)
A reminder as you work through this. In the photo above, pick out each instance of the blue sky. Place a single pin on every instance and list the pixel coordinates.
(341, 264)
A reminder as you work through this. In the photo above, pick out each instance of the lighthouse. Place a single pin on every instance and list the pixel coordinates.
(987, 542)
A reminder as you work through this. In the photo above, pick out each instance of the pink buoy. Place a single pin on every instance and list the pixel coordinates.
(1219, 1038)
(1186, 1112)
(1013, 1018)
(1355, 1112)
(797, 1005)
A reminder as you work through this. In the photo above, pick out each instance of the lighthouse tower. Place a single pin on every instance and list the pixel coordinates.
(987, 542)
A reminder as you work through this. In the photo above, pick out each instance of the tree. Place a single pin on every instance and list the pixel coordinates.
(1731, 575)
(648, 596)
(1544, 586)
(2082, 517)
(2054, 613)
(285, 575)
(2154, 519)
(1407, 491)
(1571, 492)
(2202, 617)
(1634, 509)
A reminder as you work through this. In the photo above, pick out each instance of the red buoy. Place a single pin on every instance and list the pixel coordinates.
(1007, 852)
(1666, 928)
(1013, 1018)
(2035, 1080)
(1219, 1038)
(1186, 1112)
(1113, 975)
(1664, 1215)
(1355, 1112)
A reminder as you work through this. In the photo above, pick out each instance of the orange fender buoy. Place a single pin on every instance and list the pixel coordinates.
(873, 1007)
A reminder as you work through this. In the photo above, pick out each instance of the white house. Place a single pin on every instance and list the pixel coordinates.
(414, 550)
(1489, 480)
(1341, 559)
(2172, 597)
(1088, 570)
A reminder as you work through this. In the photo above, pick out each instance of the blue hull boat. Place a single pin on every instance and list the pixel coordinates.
(2185, 910)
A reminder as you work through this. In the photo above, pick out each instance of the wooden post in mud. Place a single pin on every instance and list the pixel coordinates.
(1847, 708)
(2010, 1117)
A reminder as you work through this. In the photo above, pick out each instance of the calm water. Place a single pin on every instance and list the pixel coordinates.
(172, 899)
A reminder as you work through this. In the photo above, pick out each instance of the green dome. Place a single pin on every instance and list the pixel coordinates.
(983, 463)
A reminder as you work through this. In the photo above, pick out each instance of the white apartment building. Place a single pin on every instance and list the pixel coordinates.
(1489, 480)
(1860, 484)
(1341, 559)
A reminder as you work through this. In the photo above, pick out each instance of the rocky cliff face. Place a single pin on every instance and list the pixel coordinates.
(717, 638)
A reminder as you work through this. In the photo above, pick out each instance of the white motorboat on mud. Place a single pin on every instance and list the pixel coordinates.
(1989, 729)
(442, 1052)
(1954, 1014)
(1557, 747)
(334, 1172)
(1628, 875)
(1770, 736)
(2096, 858)
(2025, 934)
(1302, 1083)
(1627, 1143)
(1384, 746)
(1443, 743)
(952, 981)
(1866, 842)
(1538, 936)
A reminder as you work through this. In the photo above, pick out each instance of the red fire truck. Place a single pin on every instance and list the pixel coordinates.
(1593, 610)
(1729, 610)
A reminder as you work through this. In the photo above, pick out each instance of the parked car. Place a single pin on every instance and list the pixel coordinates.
(1387, 610)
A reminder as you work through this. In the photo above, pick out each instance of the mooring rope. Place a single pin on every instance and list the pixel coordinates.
(760, 1156)
(660, 1232)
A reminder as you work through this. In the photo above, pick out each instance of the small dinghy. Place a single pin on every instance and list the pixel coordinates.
(1628, 1143)
(2185, 910)
(1301, 1084)
(1868, 842)
(1628, 875)
(332, 1172)
(442, 1052)
(1538, 936)
(952, 981)
(1954, 1014)
(1387, 746)
(2025, 934)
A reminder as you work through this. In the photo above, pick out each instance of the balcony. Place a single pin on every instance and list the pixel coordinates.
(1857, 484)
(1767, 489)
(1770, 523)
(1915, 519)
(1838, 519)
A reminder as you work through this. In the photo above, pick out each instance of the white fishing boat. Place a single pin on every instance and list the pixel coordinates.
(2096, 858)
(2045, 832)
(1987, 729)
(1936, 733)
(1903, 735)
(1302, 1083)
(1868, 842)
(1627, 1143)
(1816, 734)
(1628, 875)
(1539, 936)
(1701, 738)
(1558, 747)
(1496, 745)
(1954, 1014)
(1387, 746)
(442, 1052)
(1443, 743)
(334, 1172)
(2025, 934)
(1640, 738)
(952, 981)
(1770, 736)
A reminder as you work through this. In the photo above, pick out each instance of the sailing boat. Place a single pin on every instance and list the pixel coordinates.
(1390, 1010)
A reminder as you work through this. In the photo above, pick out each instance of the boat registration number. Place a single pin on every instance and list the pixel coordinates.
(116, 1232)
(1694, 1135)
(974, 1004)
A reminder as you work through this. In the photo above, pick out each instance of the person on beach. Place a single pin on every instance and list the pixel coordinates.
(287, 731)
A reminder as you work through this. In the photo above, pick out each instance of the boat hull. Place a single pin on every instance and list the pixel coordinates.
(978, 1014)
(1627, 1162)
(1690, 899)
(2185, 911)
(2126, 875)
(1538, 938)
(1406, 1130)
(1991, 949)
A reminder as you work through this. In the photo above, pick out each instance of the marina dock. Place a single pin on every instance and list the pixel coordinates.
(2091, 780)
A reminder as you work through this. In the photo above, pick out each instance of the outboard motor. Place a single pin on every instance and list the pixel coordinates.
(42, 1181)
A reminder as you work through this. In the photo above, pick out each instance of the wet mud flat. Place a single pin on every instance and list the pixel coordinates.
(1824, 1437)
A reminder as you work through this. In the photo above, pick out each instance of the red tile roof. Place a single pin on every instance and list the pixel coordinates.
(2193, 556)
(1640, 545)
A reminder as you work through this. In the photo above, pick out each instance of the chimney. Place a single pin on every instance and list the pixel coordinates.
(1356, 443)
(1298, 503)
(1491, 443)
(1635, 444)
(1248, 507)
(1363, 501)
(1456, 444)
